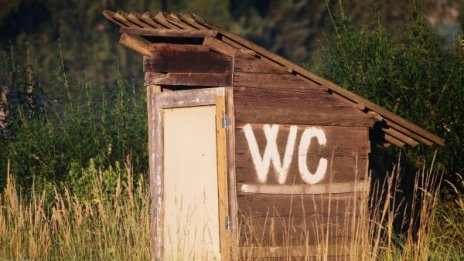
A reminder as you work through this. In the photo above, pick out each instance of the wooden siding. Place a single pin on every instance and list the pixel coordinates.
(186, 65)
(266, 97)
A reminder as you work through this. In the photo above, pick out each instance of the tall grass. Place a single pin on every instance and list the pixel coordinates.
(112, 222)
(103, 227)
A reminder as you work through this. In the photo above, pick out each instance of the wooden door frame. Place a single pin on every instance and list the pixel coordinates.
(222, 98)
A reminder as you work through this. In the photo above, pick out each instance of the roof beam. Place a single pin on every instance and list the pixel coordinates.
(169, 32)
(134, 44)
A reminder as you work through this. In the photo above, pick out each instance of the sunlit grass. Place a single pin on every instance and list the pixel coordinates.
(113, 223)
(102, 227)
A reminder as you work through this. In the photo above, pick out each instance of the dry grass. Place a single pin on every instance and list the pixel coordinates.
(116, 226)
(101, 228)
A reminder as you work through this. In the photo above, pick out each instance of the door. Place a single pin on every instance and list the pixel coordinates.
(189, 183)
(191, 215)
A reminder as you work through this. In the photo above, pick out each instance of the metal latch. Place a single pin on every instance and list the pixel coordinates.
(228, 223)
(225, 122)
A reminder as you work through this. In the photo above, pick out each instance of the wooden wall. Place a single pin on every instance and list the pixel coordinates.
(285, 129)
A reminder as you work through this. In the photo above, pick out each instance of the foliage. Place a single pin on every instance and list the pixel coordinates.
(55, 142)
(413, 75)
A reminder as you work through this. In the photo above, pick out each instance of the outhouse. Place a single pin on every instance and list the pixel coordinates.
(251, 156)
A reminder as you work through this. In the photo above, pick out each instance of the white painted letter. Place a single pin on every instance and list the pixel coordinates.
(271, 152)
(306, 175)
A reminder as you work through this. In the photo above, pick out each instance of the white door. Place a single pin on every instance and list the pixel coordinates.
(191, 221)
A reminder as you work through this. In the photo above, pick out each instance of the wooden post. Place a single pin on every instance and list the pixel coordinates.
(134, 44)
(154, 226)
(224, 214)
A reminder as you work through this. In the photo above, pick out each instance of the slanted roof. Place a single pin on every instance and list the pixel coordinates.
(394, 129)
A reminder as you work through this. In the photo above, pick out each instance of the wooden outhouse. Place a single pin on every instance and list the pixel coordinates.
(251, 155)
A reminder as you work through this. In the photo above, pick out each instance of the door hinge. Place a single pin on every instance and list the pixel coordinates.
(228, 223)
(225, 122)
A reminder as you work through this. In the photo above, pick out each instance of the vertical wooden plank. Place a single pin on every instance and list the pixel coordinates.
(155, 155)
(233, 206)
(222, 178)
(151, 109)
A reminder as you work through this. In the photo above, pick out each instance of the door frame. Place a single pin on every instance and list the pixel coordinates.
(222, 98)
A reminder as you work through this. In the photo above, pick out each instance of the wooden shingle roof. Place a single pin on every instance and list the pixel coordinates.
(394, 129)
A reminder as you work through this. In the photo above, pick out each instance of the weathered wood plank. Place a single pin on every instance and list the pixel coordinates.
(121, 17)
(265, 205)
(335, 188)
(394, 140)
(146, 18)
(311, 107)
(285, 81)
(292, 230)
(192, 79)
(233, 205)
(246, 63)
(175, 19)
(295, 116)
(186, 59)
(161, 19)
(407, 132)
(305, 98)
(166, 47)
(273, 220)
(219, 46)
(155, 151)
(168, 32)
(294, 251)
(134, 44)
(221, 148)
(134, 19)
(188, 19)
(400, 136)
(111, 16)
(345, 153)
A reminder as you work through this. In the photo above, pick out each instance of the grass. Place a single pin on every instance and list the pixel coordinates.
(103, 227)
(116, 225)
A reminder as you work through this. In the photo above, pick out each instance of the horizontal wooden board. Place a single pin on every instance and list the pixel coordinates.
(169, 32)
(311, 107)
(273, 220)
(247, 63)
(219, 46)
(262, 205)
(282, 81)
(304, 251)
(172, 58)
(189, 79)
(346, 152)
(276, 231)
